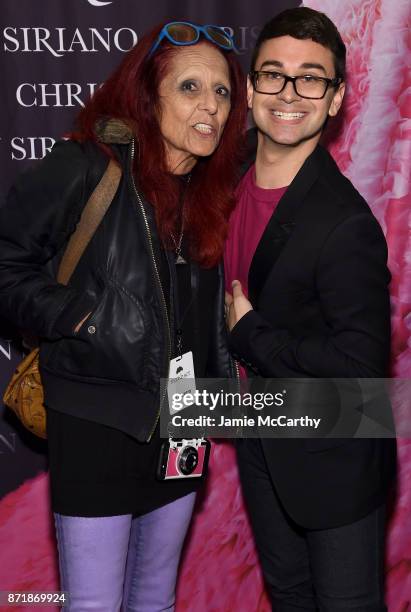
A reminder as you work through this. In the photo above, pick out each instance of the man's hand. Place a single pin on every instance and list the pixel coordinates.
(236, 305)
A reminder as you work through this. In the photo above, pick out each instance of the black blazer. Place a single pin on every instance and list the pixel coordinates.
(318, 283)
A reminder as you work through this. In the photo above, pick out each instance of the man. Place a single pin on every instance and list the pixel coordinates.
(305, 247)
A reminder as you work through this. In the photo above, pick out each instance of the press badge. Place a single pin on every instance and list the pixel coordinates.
(181, 381)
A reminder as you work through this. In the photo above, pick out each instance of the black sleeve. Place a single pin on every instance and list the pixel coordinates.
(41, 211)
(352, 287)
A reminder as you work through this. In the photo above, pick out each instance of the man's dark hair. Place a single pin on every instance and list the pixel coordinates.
(305, 23)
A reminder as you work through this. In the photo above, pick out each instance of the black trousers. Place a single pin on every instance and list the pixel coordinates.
(326, 570)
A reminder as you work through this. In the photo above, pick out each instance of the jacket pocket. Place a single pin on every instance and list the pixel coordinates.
(112, 342)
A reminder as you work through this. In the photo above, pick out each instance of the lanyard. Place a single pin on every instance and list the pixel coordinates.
(179, 313)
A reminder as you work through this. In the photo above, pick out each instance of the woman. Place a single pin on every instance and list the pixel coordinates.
(178, 100)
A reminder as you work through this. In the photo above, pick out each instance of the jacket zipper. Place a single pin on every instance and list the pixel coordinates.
(166, 319)
(237, 375)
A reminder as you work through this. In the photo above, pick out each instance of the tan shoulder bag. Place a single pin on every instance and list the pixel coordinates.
(24, 393)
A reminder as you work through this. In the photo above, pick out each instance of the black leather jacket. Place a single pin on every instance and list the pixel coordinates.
(109, 371)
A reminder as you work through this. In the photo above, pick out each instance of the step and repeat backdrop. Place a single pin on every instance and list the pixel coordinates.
(53, 56)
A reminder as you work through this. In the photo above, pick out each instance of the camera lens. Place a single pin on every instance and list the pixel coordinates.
(188, 459)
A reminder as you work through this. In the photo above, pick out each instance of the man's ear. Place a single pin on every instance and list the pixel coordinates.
(337, 100)
(250, 92)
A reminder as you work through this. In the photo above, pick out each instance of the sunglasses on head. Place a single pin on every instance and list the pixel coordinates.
(183, 33)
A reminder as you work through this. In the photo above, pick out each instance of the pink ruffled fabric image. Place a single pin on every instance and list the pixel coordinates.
(28, 559)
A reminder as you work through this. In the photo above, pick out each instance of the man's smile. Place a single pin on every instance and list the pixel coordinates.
(288, 116)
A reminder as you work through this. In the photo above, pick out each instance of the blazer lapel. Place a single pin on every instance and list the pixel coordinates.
(281, 225)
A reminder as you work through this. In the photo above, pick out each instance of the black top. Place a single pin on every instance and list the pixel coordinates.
(96, 470)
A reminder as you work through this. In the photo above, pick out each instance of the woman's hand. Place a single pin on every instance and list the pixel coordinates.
(236, 305)
(78, 326)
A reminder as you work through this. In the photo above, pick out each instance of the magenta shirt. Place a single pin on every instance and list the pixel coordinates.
(247, 224)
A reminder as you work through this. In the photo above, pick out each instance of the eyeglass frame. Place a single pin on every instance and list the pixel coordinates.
(329, 83)
(199, 30)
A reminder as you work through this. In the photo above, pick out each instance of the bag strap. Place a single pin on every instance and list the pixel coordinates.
(91, 217)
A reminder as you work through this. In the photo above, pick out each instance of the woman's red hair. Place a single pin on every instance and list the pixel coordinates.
(131, 93)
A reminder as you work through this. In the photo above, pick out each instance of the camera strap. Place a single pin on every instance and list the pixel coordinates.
(181, 311)
(181, 376)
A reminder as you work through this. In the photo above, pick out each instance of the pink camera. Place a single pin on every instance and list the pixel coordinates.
(183, 459)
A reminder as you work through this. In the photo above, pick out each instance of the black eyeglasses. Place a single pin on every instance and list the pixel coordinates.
(305, 86)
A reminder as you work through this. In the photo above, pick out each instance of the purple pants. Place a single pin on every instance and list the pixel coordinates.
(117, 562)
